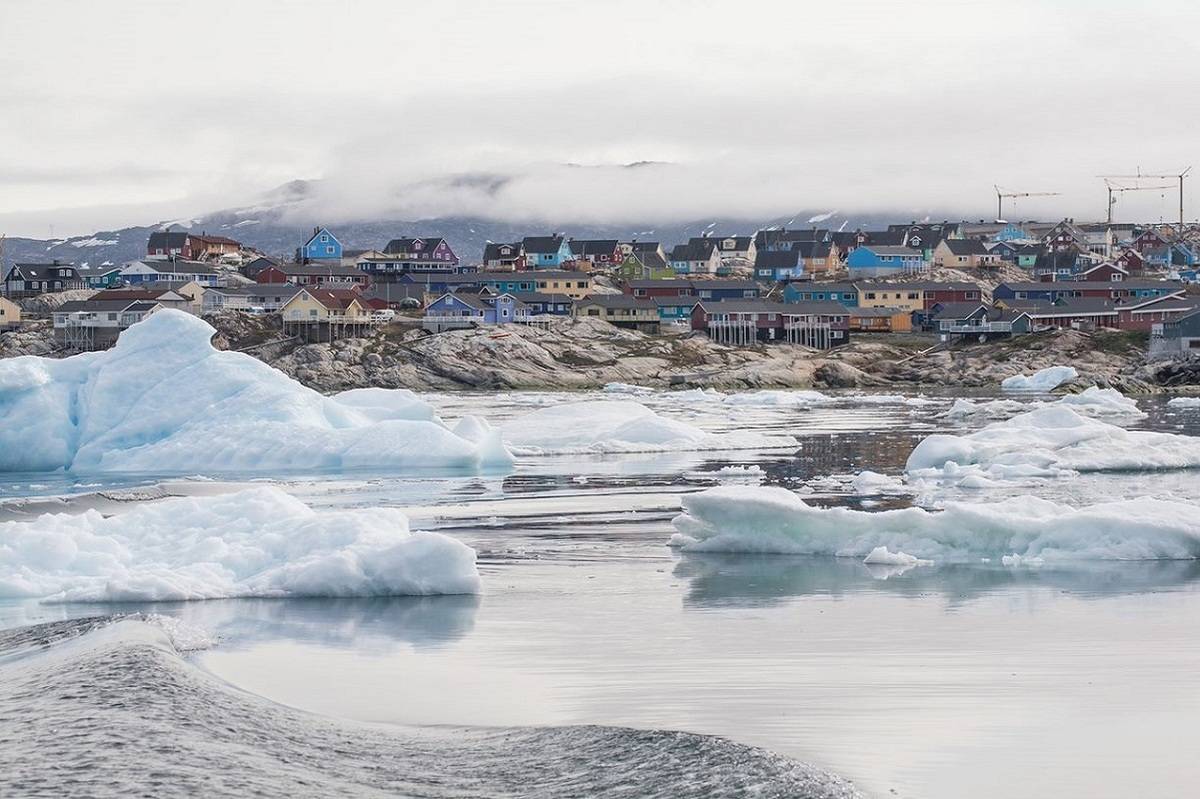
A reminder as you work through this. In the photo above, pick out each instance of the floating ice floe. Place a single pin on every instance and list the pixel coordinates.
(259, 542)
(1042, 380)
(1049, 441)
(163, 400)
(1092, 401)
(607, 426)
(774, 520)
(868, 483)
(1184, 402)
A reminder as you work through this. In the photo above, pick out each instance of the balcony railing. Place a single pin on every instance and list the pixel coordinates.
(982, 327)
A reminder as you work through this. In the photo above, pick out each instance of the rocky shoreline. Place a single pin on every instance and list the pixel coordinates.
(583, 354)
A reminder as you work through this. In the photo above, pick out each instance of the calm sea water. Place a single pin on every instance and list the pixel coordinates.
(943, 681)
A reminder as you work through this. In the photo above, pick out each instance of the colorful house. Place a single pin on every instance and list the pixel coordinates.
(880, 320)
(910, 298)
(697, 257)
(776, 265)
(453, 311)
(10, 313)
(620, 310)
(747, 322)
(1054, 291)
(675, 310)
(883, 260)
(415, 253)
(321, 246)
(27, 280)
(546, 252)
(317, 274)
(504, 257)
(802, 291)
(172, 270)
(964, 254)
(600, 253)
(644, 265)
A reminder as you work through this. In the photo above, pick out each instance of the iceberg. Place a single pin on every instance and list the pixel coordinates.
(259, 542)
(611, 426)
(164, 400)
(1050, 441)
(1092, 401)
(753, 519)
(1189, 403)
(1042, 380)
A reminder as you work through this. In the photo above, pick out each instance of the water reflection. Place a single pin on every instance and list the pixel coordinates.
(717, 580)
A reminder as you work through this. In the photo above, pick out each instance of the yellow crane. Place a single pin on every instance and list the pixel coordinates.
(1001, 194)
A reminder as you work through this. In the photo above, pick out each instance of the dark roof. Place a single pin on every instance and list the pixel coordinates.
(167, 239)
(694, 250)
(207, 239)
(586, 247)
(491, 250)
(41, 271)
(776, 259)
(811, 249)
(818, 308)
(618, 301)
(649, 258)
(542, 244)
(539, 297)
(1076, 305)
(1082, 285)
(739, 242)
(104, 306)
(811, 286)
(774, 237)
(884, 238)
(674, 302)
(400, 245)
(877, 312)
(965, 246)
(674, 282)
(644, 246)
(957, 310)
(718, 284)
(316, 269)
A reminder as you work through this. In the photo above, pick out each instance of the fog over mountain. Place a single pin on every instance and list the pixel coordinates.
(532, 111)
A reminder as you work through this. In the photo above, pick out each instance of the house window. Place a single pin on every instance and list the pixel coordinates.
(324, 239)
(329, 249)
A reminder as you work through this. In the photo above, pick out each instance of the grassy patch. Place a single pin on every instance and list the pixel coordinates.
(1120, 342)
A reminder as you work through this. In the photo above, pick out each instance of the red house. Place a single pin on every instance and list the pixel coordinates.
(1103, 273)
(1146, 314)
(746, 322)
(933, 293)
(1132, 262)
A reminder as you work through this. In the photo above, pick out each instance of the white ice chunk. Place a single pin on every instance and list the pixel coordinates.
(602, 426)
(774, 520)
(1049, 441)
(163, 400)
(260, 542)
(1042, 380)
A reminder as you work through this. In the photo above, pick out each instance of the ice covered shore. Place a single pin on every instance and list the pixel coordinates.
(774, 520)
(164, 400)
(259, 542)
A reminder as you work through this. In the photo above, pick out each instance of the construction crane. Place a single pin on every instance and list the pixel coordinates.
(1001, 194)
(1116, 189)
(1179, 176)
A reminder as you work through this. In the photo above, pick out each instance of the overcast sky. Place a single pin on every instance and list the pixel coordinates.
(131, 111)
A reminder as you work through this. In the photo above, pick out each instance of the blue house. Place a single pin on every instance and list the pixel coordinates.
(1056, 291)
(322, 246)
(845, 293)
(885, 260)
(453, 311)
(546, 252)
(675, 309)
(1014, 232)
(778, 265)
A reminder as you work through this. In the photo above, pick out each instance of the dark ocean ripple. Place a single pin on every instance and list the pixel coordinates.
(108, 707)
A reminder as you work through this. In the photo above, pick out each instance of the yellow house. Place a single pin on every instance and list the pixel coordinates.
(890, 295)
(10, 313)
(575, 285)
(316, 305)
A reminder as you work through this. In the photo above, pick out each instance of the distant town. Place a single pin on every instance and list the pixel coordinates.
(813, 286)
